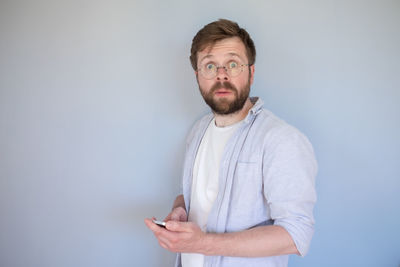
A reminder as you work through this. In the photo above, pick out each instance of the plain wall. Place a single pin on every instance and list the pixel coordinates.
(96, 98)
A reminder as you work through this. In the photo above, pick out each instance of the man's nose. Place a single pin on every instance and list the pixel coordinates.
(222, 73)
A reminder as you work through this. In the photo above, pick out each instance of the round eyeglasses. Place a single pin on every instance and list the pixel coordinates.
(232, 68)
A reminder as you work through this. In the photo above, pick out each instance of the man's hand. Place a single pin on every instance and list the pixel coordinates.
(177, 214)
(179, 236)
(182, 236)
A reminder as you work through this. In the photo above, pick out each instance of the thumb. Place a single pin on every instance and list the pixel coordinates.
(177, 226)
(175, 216)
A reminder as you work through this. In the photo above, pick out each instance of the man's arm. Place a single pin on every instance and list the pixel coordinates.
(260, 241)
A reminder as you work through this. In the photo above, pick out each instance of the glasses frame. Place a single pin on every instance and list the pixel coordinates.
(226, 70)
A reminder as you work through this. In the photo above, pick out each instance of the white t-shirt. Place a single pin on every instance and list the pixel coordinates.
(205, 181)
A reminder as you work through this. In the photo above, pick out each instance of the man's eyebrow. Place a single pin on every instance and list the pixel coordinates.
(205, 57)
(232, 54)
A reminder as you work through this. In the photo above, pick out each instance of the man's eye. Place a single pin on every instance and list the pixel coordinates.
(210, 66)
(233, 65)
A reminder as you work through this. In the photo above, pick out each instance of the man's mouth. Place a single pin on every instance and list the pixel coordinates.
(223, 92)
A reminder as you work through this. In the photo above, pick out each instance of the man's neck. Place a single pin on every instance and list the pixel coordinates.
(226, 120)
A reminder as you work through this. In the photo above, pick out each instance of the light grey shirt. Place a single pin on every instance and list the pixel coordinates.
(267, 176)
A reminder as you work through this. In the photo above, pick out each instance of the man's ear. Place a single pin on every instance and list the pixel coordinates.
(252, 70)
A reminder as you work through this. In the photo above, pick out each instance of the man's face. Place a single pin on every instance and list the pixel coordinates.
(223, 93)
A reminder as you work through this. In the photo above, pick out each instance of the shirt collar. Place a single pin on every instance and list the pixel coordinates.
(257, 108)
(258, 105)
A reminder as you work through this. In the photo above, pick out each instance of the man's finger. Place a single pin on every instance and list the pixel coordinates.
(152, 226)
(174, 217)
(162, 244)
(176, 226)
(164, 241)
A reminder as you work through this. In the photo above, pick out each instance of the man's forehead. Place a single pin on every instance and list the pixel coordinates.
(229, 47)
(228, 54)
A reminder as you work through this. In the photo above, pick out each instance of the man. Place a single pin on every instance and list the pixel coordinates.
(248, 182)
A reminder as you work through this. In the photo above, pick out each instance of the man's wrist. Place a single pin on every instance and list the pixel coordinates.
(207, 244)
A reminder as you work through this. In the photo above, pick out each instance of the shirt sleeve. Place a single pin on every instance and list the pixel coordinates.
(289, 171)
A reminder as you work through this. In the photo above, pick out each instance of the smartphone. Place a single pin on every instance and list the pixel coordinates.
(159, 223)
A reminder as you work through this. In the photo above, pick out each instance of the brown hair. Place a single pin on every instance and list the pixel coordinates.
(217, 31)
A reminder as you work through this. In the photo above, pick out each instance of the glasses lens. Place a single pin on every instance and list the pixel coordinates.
(235, 72)
(208, 70)
(234, 68)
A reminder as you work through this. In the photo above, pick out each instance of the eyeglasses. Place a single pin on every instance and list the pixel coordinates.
(232, 68)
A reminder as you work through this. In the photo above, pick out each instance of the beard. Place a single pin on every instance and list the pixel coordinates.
(222, 105)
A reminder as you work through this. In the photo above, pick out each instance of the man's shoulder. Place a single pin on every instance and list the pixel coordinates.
(268, 121)
(199, 125)
(268, 126)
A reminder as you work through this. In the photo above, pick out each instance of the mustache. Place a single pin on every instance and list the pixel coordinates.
(226, 85)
